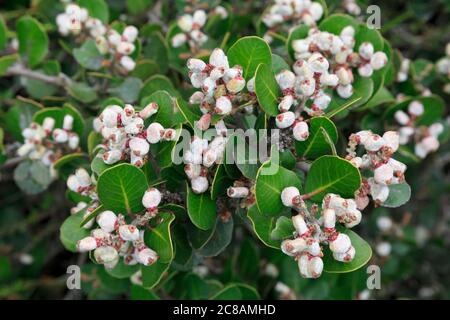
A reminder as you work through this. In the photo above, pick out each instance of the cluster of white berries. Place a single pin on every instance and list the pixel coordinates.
(426, 138)
(377, 159)
(202, 155)
(340, 57)
(191, 33)
(84, 184)
(351, 7)
(443, 67)
(125, 137)
(220, 86)
(116, 238)
(47, 143)
(191, 25)
(402, 74)
(75, 20)
(291, 13)
(311, 232)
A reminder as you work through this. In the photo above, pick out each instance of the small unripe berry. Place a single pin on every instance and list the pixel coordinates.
(318, 63)
(196, 65)
(300, 131)
(401, 117)
(365, 70)
(149, 110)
(383, 174)
(391, 139)
(237, 192)
(112, 156)
(139, 146)
(236, 84)
(204, 122)
(146, 256)
(151, 198)
(178, 40)
(223, 105)
(48, 124)
(128, 232)
(86, 244)
(286, 103)
(341, 244)
(366, 50)
(374, 142)
(199, 184)
(83, 177)
(383, 249)
(299, 224)
(285, 79)
(107, 221)
(345, 91)
(128, 63)
(60, 135)
(384, 223)
(218, 58)
(307, 86)
(155, 132)
(285, 120)
(290, 196)
(378, 60)
(416, 108)
(105, 254)
(329, 218)
(130, 33)
(315, 267)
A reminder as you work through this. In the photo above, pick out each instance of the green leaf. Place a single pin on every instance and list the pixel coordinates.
(3, 34)
(155, 83)
(121, 188)
(219, 239)
(362, 256)
(220, 182)
(245, 157)
(284, 229)
(88, 55)
(138, 6)
(363, 88)
(97, 9)
(399, 194)
(383, 96)
(157, 50)
(122, 271)
(237, 291)
(152, 275)
(317, 145)
(201, 209)
(332, 174)
(336, 22)
(82, 92)
(98, 165)
(128, 90)
(71, 232)
(145, 68)
(249, 52)
(68, 158)
(269, 185)
(267, 89)
(190, 112)
(263, 226)
(33, 40)
(92, 215)
(6, 62)
(32, 177)
(159, 238)
(278, 64)
(165, 111)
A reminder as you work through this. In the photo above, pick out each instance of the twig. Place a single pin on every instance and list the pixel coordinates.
(10, 163)
(60, 80)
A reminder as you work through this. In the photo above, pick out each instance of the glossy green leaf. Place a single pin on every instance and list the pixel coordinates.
(270, 181)
(121, 188)
(71, 232)
(88, 56)
(159, 238)
(399, 194)
(249, 52)
(284, 229)
(317, 144)
(33, 40)
(263, 226)
(201, 209)
(331, 174)
(97, 8)
(267, 89)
